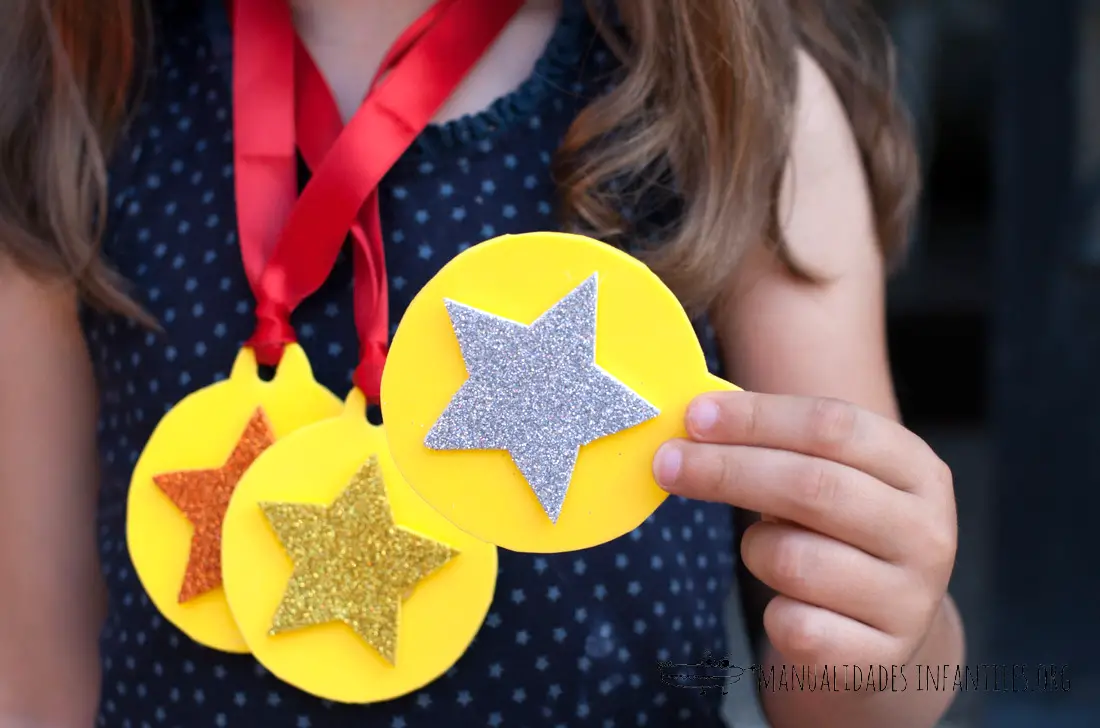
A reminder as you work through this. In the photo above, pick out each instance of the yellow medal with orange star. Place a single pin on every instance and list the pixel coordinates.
(530, 384)
(185, 477)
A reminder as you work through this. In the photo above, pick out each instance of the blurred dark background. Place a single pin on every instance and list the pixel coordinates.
(942, 302)
(995, 333)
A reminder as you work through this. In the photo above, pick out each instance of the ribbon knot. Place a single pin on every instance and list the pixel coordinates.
(273, 332)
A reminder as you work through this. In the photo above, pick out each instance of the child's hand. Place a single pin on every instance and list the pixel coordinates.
(859, 538)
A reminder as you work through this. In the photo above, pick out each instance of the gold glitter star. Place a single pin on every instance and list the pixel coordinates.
(203, 496)
(351, 562)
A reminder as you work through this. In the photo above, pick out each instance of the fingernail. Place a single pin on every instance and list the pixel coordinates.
(702, 415)
(666, 465)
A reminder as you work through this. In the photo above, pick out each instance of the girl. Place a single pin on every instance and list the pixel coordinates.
(750, 150)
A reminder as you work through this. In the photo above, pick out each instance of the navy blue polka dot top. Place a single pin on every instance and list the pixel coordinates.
(571, 639)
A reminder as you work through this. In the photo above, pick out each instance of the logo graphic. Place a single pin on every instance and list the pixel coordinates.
(707, 674)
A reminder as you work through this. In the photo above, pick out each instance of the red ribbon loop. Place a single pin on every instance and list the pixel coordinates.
(289, 248)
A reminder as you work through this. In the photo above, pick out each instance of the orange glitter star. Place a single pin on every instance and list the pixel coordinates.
(203, 496)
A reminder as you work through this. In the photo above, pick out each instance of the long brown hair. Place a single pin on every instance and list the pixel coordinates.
(704, 107)
(65, 73)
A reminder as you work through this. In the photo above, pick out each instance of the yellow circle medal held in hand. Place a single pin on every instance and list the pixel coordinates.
(343, 581)
(530, 384)
(183, 481)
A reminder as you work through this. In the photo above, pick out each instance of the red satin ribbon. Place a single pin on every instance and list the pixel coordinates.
(282, 101)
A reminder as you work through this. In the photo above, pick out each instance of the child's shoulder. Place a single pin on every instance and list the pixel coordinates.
(825, 186)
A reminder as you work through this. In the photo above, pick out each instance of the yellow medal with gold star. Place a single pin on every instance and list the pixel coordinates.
(351, 562)
(183, 482)
(342, 580)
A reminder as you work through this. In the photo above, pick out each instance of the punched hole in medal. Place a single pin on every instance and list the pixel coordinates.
(265, 372)
(374, 414)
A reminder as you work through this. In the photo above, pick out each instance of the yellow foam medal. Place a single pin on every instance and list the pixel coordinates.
(342, 580)
(183, 481)
(529, 385)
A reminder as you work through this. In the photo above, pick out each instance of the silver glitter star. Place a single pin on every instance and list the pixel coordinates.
(536, 391)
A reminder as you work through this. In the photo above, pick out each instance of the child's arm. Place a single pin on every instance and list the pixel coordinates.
(51, 597)
(825, 340)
